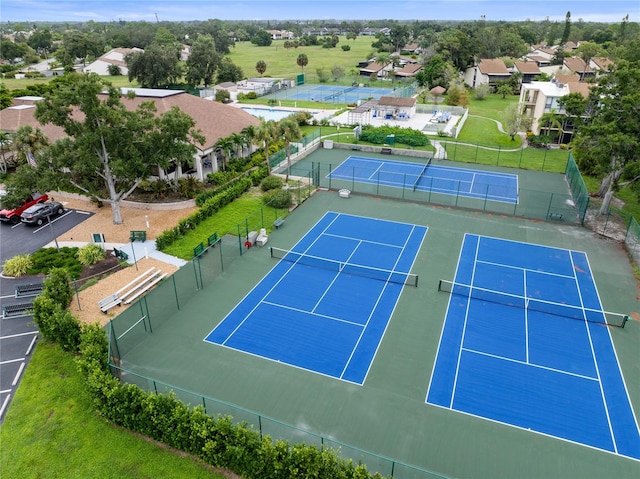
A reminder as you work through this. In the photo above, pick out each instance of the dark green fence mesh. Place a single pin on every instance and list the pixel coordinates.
(577, 187)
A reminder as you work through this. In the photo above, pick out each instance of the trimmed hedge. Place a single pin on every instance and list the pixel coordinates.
(216, 440)
(406, 136)
(208, 208)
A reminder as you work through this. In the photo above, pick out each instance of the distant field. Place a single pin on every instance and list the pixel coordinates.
(281, 63)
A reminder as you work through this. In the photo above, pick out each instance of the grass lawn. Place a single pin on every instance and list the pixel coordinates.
(51, 430)
(246, 213)
(281, 62)
(482, 131)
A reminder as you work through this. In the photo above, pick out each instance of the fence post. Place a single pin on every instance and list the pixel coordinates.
(175, 290)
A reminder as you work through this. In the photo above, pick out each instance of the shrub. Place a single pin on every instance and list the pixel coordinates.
(345, 48)
(271, 183)
(90, 254)
(58, 287)
(223, 96)
(47, 258)
(277, 198)
(252, 95)
(17, 266)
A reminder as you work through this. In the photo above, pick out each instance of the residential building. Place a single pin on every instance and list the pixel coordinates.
(488, 72)
(577, 65)
(529, 70)
(115, 57)
(214, 120)
(380, 70)
(408, 71)
(538, 98)
(281, 34)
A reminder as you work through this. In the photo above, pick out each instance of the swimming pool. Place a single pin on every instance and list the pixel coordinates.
(276, 114)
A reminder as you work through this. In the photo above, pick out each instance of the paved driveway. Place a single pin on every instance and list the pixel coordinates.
(18, 334)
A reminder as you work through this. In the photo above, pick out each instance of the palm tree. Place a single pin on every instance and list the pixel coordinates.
(302, 61)
(5, 151)
(248, 134)
(225, 146)
(27, 141)
(550, 120)
(289, 130)
(266, 134)
(238, 142)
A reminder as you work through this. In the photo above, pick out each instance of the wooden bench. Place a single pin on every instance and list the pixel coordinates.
(9, 310)
(555, 216)
(278, 223)
(105, 304)
(138, 236)
(213, 239)
(27, 290)
(356, 148)
(199, 249)
(118, 253)
(385, 151)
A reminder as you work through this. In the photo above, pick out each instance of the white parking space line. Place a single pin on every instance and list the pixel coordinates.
(53, 221)
(18, 374)
(9, 361)
(33, 341)
(18, 335)
(5, 403)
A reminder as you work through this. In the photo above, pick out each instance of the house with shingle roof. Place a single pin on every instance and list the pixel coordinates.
(214, 120)
(601, 64)
(529, 70)
(408, 71)
(115, 57)
(375, 68)
(488, 72)
(577, 65)
(392, 107)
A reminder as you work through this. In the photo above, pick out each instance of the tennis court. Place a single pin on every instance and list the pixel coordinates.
(331, 93)
(353, 269)
(526, 343)
(486, 185)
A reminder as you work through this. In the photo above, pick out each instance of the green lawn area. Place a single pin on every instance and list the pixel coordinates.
(281, 62)
(51, 430)
(482, 131)
(247, 213)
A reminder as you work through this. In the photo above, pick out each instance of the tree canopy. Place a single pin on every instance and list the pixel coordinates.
(109, 149)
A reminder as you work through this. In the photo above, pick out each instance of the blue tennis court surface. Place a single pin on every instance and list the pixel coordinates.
(549, 367)
(326, 305)
(331, 93)
(479, 184)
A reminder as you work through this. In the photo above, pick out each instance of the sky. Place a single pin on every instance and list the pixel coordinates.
(179, 10)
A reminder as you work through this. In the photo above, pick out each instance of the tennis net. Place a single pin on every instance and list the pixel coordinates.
(421, 175)
(534, 304)
(389, 276)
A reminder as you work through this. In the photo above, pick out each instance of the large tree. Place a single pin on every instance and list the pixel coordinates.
(203, 61)
(302, 61)
(608, 143)
(110, 149)
(156, 67)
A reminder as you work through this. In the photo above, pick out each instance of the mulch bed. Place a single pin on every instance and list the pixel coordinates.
(107, 266)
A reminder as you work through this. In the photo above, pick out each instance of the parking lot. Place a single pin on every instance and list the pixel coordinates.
(18, 334)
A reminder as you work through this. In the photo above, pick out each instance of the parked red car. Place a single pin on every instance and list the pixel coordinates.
(13, 216)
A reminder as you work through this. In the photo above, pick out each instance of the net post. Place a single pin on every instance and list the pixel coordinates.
(625, 318)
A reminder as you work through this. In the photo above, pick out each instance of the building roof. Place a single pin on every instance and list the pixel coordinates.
(396, 101)
(373, 67)
(214, 120)
(571, 78)
(603, 63)
(409, 70)
(580, 87)
(577, 65)
(528, 67)
(493, 66)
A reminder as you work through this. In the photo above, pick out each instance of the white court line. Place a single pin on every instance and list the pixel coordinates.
(374, 309)
(595, 358)
(360, 240)
(526, 269)
(335, 278)
(18, 335)
(18, 374)
(464, 327)
(325, 316)
(526, 363)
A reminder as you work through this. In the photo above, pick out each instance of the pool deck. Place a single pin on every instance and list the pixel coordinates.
(318, 114)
